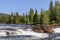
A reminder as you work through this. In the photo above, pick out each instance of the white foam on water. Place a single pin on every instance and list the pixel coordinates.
(40, 35)
(2, 33)
(56, 30)
(32, 33)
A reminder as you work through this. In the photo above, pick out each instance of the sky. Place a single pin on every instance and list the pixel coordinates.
(23, 6)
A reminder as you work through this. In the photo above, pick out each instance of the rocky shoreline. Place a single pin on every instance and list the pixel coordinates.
(43, 29)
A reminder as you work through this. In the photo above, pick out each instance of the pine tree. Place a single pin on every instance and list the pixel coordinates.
(12, 17)
(17, 18)
(57, 3)
(17, 14)
(9, 20)
(57, 11)
(52, 15)
(31, 14)
(35, 18)
(11, 13)
(55, 14)
(27, 19)
(41, 17)
(14, 20)
(24, 19)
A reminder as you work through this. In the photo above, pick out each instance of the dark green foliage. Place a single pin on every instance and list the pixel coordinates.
(41, 17)
(27, 19)
(55, 15)
(56, 3)
(35, 18)
(24, 19)
(52, 16)
(17, 14)
(51, 12)
(31, 14)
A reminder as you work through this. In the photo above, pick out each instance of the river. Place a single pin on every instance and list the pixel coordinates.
(26, 34)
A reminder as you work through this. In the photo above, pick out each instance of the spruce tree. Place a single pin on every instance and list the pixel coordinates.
(41, 17)
(52, 15)
(31, 14)
(35, 18)
(24, 19)
(27, 19)
(17, 18)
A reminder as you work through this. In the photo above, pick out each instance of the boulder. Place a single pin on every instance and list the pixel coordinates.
(38, 29)
(43, 29)
(48, 29)
(7, 33)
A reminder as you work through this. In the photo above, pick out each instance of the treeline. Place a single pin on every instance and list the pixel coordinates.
(50, 16)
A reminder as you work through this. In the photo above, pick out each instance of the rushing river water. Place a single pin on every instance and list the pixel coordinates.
(28, 35)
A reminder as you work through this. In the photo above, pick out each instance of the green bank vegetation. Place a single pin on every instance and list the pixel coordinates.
(50, 16)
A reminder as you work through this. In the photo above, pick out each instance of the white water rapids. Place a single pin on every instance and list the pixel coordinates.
(32, 33)
(35, 34)
(56, 30)
(39, 35)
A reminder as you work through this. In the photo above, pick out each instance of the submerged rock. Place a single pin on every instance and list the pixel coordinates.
(7, 33)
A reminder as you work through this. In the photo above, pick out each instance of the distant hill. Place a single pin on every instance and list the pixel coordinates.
(2, 14)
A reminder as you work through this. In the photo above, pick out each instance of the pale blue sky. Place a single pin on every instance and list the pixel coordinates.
(21, 6)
